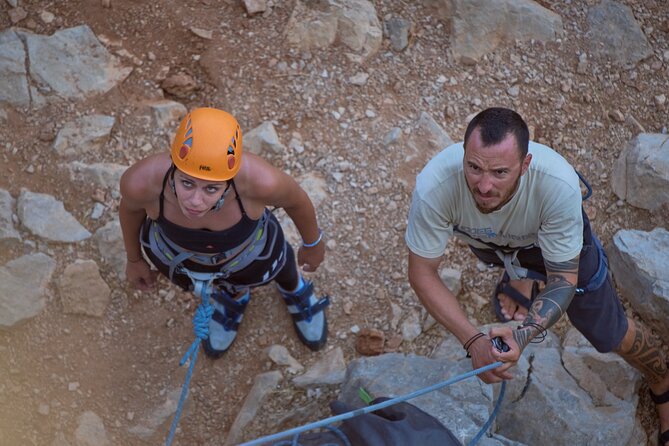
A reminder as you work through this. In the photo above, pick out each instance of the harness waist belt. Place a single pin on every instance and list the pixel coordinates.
(230, 262)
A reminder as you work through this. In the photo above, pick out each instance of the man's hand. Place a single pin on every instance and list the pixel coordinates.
(483, 353)
(511, 357)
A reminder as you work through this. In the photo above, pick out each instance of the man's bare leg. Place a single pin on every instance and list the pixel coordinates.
(644, 352)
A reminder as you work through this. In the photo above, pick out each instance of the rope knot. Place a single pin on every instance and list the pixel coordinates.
(201, 320)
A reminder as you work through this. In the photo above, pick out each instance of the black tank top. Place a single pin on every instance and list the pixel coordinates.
(205, 240)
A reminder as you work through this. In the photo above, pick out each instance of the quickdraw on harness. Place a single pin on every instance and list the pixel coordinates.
(516, 272)
(231, 261)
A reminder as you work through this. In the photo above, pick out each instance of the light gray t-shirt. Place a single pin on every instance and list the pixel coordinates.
(545, 211)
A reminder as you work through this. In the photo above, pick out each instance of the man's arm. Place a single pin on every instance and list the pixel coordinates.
(552, 302)
(437, 299)
(442, 304)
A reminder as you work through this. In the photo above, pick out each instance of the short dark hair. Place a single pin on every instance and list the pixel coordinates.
(496, 123)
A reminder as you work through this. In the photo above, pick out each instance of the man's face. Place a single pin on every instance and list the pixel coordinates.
(493, 172)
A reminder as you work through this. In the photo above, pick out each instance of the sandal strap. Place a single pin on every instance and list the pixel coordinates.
(503, 286)
(660, 399)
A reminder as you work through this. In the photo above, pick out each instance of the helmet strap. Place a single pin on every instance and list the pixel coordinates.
(171, 178)
(221, 200)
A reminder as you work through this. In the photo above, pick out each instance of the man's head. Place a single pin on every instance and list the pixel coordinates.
(496, 146)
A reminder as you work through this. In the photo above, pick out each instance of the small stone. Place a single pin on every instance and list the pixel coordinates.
(17, 14)
(582, 67)
(47, 17)
(255, 6)
(513, 91)
(393, 344)
(204, 33)
(43, 409)
(180, 85)
(370, 342)
(359, 79)
(392, 136)
(617, 115)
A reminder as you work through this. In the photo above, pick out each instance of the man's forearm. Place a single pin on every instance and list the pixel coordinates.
(551, 304)
(437, 299)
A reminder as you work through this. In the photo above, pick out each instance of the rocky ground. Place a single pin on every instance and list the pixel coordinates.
(340, 115)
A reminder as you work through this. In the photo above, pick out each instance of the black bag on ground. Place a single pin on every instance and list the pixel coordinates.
(401, 424)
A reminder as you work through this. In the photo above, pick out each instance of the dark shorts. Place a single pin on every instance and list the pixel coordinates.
(278, 264)
(598, 314)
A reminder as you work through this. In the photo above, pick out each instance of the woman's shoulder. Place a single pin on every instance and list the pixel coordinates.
(256, 174)
(144, 179)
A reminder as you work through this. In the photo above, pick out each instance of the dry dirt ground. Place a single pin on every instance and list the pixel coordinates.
(56, 366)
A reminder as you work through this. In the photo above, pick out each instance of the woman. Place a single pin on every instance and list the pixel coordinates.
(200, 215)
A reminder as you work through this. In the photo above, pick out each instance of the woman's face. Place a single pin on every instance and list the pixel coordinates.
(195, 196)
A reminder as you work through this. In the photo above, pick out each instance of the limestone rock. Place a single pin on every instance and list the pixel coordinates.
(641, 173)
(23, 287)
(82, 290)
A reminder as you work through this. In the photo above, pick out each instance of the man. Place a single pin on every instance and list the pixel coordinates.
(517, 204)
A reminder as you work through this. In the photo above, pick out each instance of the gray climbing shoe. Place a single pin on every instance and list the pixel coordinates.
(308, 316)
(228, 314)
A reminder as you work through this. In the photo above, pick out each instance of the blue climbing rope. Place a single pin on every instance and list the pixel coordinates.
(201, 319)
(492, 416)
(381, 405)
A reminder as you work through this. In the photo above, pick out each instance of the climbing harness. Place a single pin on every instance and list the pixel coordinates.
(516, 272)
(295, 432)
(230, 262)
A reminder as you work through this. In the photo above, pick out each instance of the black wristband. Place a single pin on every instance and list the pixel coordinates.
(471, 341)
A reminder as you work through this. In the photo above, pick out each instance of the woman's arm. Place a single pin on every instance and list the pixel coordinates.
(138, 192)
(264, 183)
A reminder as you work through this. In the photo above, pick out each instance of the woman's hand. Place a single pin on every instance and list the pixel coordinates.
(140, 275)
(310, 258)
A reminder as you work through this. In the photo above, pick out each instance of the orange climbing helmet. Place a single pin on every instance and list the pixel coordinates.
(208, 145)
